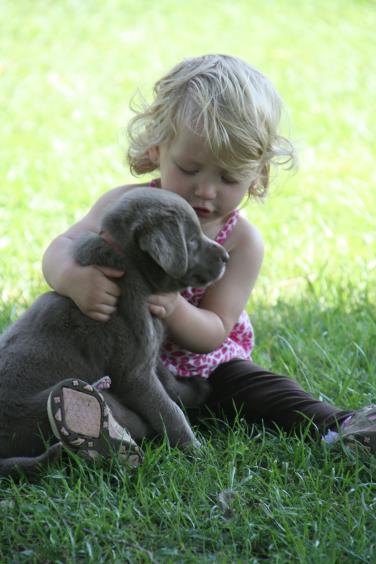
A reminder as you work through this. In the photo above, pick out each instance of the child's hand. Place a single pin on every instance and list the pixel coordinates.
(163, 305)
(94, 293)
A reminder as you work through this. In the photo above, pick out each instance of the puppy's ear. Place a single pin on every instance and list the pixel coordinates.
(167, 247)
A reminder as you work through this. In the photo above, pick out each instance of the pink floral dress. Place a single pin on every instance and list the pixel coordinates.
(239, 343)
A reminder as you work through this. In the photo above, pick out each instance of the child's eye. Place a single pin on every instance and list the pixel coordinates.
(185, 170)
(228, 180)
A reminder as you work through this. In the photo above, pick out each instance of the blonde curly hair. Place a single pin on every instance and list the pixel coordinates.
(232, 105)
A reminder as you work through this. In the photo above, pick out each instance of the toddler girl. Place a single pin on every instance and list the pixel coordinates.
(211, 133)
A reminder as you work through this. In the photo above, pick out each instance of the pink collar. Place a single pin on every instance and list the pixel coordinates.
(111, 241)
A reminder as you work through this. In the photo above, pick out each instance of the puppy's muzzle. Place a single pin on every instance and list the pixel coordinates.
(214, 263)
(207, 264)
(218, 253)
(222, 254)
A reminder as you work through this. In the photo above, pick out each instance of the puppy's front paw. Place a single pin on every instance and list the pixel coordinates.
(191, 446)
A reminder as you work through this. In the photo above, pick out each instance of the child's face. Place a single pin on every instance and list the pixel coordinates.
(188, 168)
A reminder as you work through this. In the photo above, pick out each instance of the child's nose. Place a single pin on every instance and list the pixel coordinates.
(206, 190)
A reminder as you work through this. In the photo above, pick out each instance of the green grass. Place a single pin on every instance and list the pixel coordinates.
(240, 500)
(67, 72)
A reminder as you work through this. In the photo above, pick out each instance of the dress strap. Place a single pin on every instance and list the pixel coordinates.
(227, 228)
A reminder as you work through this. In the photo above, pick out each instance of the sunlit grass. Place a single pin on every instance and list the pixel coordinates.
(64, 101)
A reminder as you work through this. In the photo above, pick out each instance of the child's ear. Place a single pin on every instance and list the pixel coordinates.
(154, 154)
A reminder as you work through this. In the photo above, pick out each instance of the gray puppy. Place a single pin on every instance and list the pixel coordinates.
(155, 237)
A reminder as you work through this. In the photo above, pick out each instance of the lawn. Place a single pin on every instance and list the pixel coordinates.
(68, 70)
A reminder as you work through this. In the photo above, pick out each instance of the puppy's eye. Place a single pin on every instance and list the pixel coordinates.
(193, 244)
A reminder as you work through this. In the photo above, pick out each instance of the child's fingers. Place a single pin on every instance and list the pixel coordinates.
(158, 311)
(98, 316)
(108, 288)
(102, 312)
(110, 272)
(111, 295)
(162, 305)
(104, 309)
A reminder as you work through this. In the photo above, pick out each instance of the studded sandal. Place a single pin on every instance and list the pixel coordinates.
(360, 429)
(83, 422)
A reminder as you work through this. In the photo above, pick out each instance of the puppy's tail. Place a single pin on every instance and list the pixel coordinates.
(29, 466)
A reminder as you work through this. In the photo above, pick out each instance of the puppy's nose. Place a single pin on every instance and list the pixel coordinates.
(222, 253)
(225, 256)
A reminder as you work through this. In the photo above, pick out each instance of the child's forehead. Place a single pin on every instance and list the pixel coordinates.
(194, 148)
(191, 143)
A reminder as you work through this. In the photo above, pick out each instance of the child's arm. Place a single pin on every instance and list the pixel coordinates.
(205, 328)
(88, 286)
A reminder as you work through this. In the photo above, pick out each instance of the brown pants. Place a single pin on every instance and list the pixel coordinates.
(242, 387)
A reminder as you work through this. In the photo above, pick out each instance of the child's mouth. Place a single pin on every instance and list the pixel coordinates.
(202, 212)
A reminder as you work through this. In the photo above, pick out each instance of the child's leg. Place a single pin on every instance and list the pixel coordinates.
(260, 395)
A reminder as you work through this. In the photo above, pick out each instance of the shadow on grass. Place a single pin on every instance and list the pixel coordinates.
(243, 496)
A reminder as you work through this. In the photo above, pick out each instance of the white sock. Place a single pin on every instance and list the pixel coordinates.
(332, 436)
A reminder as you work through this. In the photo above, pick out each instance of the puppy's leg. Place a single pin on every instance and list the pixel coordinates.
(151, 400)
(137, 427)
(190, 392)
(25, 434)
(29, 466)
(24, 427)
